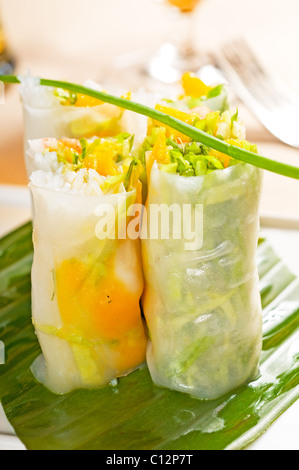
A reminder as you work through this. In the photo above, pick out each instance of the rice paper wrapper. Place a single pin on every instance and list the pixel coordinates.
(218, 103)
(85, 292)
(202, 305)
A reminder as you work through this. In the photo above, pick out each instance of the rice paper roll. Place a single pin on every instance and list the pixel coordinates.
(57, 113)
(86, 286)
(201, 301)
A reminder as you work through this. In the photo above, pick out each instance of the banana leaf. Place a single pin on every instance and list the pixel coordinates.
(136, 415)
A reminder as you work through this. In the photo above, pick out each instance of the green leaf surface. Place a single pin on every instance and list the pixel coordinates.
(136, 415)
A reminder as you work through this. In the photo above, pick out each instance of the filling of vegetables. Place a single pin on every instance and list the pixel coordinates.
(109, 157)
(177, 153)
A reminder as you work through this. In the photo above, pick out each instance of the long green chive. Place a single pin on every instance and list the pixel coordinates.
(186, 129)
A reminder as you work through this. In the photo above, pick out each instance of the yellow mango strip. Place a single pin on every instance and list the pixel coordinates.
(160, 153)
(135, 183)
(188, 118)
(222, 157)
(193, 86)
(84, 101)
(101, 162)
(102, 159)
(176, 113)
(236, 143)
(99, 307)
(225, 159)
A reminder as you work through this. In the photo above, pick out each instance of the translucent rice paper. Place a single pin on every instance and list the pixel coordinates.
(85, 292)
(218, 103)
(44, 116)
(203, 307)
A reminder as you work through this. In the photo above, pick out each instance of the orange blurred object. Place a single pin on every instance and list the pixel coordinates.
(2, 41)
(184, 5)
(7, 61)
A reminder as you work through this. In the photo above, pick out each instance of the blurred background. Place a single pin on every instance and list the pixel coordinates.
(76, 40)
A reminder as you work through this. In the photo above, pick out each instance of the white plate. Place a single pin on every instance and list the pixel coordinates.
(283, 234)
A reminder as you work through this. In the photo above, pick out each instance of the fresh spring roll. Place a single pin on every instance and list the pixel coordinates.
(201, 302)
(87, 277)
(50, 112)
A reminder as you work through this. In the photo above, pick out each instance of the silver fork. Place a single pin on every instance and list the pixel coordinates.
(272, 102)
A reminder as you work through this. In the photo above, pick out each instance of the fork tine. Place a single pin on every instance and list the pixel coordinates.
(247, 56)
(279, 90)
(262, 87)
(243, 72)
(250, 68)
(271, 101)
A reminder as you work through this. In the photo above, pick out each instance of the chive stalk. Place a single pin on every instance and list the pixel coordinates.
(198, 135)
